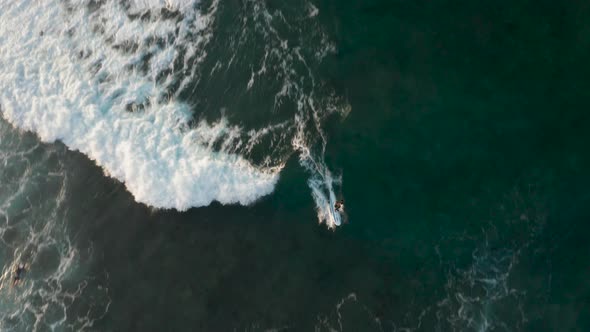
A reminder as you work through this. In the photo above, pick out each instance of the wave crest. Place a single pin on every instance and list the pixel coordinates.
(103, 81)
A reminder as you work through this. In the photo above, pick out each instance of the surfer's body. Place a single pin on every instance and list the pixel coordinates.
(339, 206)
(18, 274)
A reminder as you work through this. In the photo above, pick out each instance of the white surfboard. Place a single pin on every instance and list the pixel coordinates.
(335, 215)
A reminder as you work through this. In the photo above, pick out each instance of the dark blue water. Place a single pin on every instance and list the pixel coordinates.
(459, 132)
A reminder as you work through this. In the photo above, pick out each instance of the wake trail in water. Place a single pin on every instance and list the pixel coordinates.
(287, 68)
(108, 79)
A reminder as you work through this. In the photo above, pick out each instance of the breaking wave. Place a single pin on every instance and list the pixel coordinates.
(122, 82)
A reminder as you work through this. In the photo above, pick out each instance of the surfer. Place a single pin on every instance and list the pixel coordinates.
(339, 206)
(18, 274)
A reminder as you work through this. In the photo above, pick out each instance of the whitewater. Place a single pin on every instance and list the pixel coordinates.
(105, 80)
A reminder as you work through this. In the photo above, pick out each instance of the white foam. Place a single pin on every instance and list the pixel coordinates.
(290, 65)
(62, 78)
(140, 5)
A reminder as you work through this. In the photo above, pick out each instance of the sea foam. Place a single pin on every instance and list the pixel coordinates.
(95, 79)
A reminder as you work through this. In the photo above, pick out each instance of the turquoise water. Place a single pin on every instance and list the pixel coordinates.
(459, 131)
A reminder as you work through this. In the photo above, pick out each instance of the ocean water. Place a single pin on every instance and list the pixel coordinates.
(170, 165)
